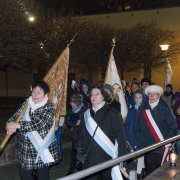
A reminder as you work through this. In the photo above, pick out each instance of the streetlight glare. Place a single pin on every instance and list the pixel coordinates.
(164, 47)
(31, 18)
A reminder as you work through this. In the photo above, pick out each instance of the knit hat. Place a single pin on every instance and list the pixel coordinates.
(109, 87)
(169, 85)
(86, 82)
(76, 98)
(146, 80)
(154, 88)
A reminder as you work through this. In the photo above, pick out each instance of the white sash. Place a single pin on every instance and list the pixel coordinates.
(41, 145)
(104, 142)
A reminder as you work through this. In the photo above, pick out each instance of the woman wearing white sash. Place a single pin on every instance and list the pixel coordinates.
(155, 123)
(111, 129)
(37, 143)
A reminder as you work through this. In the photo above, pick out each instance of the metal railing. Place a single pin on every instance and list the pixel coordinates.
(113, 162)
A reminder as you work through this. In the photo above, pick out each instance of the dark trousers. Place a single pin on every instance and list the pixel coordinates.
(42, 174)
(73, 158)
(152, 162)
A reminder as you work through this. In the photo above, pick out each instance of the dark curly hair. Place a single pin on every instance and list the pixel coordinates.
(42, 84)
(103, 92)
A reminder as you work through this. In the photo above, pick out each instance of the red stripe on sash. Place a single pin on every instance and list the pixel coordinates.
(155, 135)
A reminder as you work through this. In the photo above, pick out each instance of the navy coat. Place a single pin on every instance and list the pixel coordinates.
(164, 120)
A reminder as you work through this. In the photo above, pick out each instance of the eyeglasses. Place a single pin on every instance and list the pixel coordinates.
(153, 94)
(95, 95)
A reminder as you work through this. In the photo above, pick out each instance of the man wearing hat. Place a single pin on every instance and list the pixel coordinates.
(145, 82)
(168, 94)
(73, 121)
(112, 103)
(155, 123)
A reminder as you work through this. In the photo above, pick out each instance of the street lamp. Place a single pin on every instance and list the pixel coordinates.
(164, 47)
(31, 18)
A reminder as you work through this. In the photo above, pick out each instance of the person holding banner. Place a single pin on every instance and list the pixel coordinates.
(155, 123)
(37, 143)
(102, 136)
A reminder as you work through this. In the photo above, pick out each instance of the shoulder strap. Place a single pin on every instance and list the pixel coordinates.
(106, 111)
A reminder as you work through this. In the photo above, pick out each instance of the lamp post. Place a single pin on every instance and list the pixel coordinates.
(31, 18)
(164, 47)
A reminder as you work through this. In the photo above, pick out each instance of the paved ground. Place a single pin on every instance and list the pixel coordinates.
(10, 171)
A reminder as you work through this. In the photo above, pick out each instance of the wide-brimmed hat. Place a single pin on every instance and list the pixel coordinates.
(154, 88)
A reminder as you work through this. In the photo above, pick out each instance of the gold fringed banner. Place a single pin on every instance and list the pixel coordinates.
(57, 78)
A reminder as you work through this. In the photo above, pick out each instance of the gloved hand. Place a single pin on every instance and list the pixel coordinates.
(80, 156)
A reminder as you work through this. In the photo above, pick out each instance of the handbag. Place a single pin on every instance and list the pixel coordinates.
(81, 156)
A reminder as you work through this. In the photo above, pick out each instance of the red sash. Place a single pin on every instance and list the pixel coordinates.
(156, 134)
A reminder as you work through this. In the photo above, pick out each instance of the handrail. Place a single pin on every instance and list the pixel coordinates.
(113, 162)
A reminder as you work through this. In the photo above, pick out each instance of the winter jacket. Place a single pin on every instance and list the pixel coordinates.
(112, 103)
(167, 97)
(131, 118)
(41, 121)
(110, 123)
(176, 106)
(86, 97)
(129, 125)
(72, 124)
(164, 120)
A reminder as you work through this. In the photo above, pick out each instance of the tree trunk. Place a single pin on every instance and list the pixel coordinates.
(147, 72)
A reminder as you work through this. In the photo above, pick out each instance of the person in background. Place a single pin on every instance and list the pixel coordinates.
(126, 93)
(145, 82)
(135, 80)
(176, 111)
(168, 94)
(130, 123)
(109, 123)
(154, 116)
(85, 89)
(130, 101)
(73, 120)
(112, 103)
(38, 122)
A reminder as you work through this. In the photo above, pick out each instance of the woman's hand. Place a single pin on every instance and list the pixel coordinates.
(78, 122)
(12, 127)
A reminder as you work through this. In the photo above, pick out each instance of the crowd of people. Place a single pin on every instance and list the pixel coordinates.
(98, 131)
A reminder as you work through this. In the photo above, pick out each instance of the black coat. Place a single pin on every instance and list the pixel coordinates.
(114, 105)
(112, 126)
(164, 120)
(72, 124)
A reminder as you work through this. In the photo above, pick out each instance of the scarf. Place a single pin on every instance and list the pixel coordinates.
(77, 109)
(34, 106)
(154, 104)
(100, 106)
(136, 106)
(168, 94)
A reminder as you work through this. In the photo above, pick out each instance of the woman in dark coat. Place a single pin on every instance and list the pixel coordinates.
(155, 115)
(110, 123)
(38, 121)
